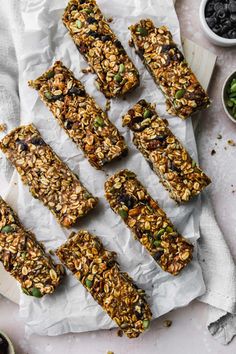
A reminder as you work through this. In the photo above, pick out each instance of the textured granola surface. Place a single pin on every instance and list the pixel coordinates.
(49, 179)
(178, 172)
(77, 112)
(148, 222)
(184, 94)
(97, 270)
(116, 74)
(24, 257)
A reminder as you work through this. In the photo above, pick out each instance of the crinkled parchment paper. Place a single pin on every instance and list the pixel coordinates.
(71, 308)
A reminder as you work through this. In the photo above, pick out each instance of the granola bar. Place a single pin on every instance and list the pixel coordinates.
(161, 56)
(97, 270)
(48, 178)
(116, 74)
(148, 222)
(77, 112)
(168, 158)
(24, 257)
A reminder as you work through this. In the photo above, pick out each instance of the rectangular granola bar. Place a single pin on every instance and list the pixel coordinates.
(168, 158)
(161, 56)
(24, 257)
(48, 178)
(96, 268)
(79, 115)
(116, 74)
(148, 222)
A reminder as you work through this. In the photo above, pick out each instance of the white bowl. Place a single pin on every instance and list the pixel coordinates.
(224, 94)
(214, 38)
(11, 349)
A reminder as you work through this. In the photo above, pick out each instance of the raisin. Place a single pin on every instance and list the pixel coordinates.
(91, 20)
(37, 141)
(76, 91)
(23, 145)
(106, 38)
(94, 34)
(158, 255)
(127, 199)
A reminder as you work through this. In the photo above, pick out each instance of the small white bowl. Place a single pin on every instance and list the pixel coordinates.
(11, 349)
(224, 94)
(214, 38)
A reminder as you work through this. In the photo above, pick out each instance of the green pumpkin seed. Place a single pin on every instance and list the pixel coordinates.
(147, 113)
(232, 95)
(121, 68)
(159, 233)
(233, 88)
(123, 213)
(194, 163)
(48, 95)
(36, 292)
(25, 291)
(99, 122)
(157, 243)
(78, 23)
(169, 229)
(142, 31)
(88, 283)
(118, 78)
(229, 104)
(146, 324)
(179, 94)
(6, 229)
(50, 74)
(87, 10)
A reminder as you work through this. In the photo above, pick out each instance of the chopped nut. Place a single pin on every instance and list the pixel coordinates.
(231, 142)
(3, 127)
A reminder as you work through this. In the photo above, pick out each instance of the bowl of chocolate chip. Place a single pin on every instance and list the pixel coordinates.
(218, 20)
(6, 346)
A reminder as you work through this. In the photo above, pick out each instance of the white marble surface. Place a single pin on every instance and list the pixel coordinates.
(187, 333)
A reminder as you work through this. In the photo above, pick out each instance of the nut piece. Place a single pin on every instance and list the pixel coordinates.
(90, 31)
(162, 58)
(25, 258)
(97, 270)
(79, 115)
(177, 171)
(48, 178)
(148, 222)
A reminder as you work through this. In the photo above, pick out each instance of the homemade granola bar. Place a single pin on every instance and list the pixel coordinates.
(48, 178)
(97, 270)
(116, 74)
(161, 56)
(168, 158)
(148, 222)
(24, 257)
(77, 112)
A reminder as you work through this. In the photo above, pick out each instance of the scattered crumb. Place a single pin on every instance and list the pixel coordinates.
(109, 352)
(219, 136)
(110, 19)
(203, 260)
(215, 144)
(213, 152)
(231, 142)
(108, 105)
(167, 323)
(225, 147)
(51, 252)
(3, 127)
(120, 333)
(233, 191)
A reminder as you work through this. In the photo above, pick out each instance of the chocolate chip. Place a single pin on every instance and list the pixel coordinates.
(76, 91)
(38, 141)
(69, 124)
(158, 255)
(91, 20)
(94, 34)
(127, 200)
(106, 38)
(23, 145)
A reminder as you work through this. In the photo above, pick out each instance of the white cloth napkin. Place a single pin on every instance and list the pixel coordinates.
(216, 261)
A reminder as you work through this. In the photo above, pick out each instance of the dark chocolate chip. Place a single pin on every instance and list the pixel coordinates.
(91, 20)
(23, 145)
(37, 141)
(106, 38)
(76, 91)
(93, 34)
(118, 43)
(158, 255)
(127, 200)
(69, 124)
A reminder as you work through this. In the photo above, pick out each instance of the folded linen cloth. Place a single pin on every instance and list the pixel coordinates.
(218, 268)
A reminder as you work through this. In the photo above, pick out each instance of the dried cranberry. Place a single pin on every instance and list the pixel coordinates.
(37, 141)
(82, 48)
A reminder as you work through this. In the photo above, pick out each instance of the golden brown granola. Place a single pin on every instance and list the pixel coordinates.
(48, 178)
(178, 172)
(97, 270)
(25, 258)
(79, 115)
(161, 56)
(116, 74)
(148, 222)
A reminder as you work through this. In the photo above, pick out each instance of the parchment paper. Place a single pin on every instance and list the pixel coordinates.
(71, 308)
